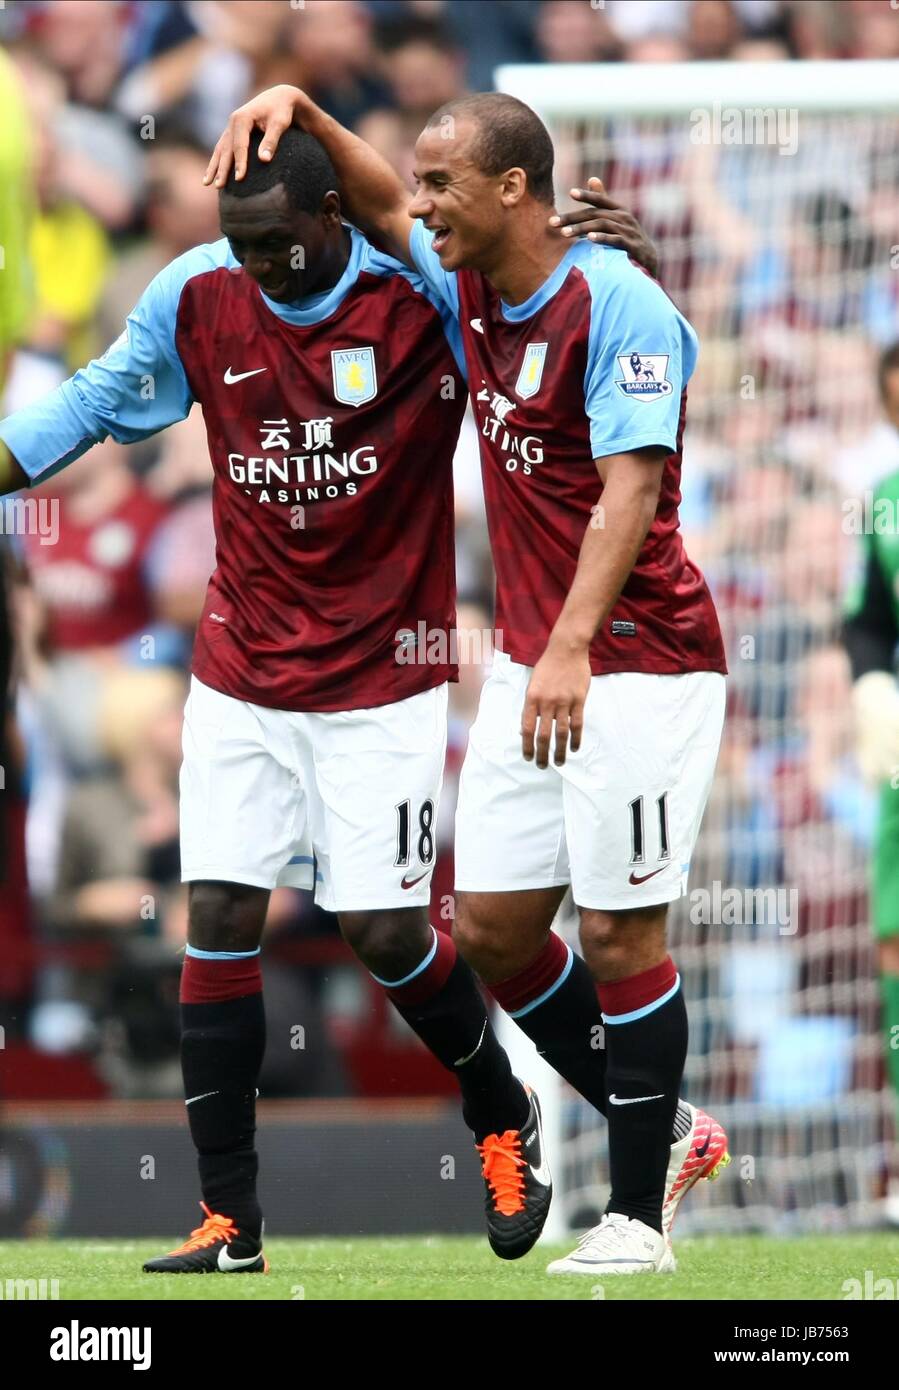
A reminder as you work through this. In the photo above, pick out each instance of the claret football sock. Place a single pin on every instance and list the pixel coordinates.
(646, 1046)
(222, 1045)
(441, 1002)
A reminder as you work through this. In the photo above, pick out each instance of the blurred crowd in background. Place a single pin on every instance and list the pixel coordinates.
(109, 111)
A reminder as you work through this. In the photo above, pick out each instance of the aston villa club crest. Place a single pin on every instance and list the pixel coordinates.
(355, 377)
(531, 374)
(644, 375)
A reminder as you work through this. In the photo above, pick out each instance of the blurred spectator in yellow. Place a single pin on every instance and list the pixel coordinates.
(16, 207)
(68, 249)
(81, 46)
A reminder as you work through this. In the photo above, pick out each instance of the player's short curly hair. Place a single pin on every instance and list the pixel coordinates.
(510, 136)
(300, 163)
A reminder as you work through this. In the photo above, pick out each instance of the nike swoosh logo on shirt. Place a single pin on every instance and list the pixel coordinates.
(230, 377)
(634, 879)
(476, 325)
(634, 1100)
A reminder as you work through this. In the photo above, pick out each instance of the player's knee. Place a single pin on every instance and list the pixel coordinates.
(226, 916)
(618, 944)
(389, 943)
(602, 944)
(481, 945)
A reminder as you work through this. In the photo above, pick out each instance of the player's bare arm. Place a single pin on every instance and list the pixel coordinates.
(374, 196)
(12, 474)
(618, 527)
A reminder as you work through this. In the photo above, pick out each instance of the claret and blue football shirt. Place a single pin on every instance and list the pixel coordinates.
(595, 363)
(332, 425)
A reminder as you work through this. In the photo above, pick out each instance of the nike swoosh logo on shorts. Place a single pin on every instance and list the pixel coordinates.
(643, 877)
(230, 377)
(634, 1100)
(413, 882)
(476, 325)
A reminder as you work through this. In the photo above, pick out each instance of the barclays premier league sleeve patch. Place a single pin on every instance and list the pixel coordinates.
(645, 375)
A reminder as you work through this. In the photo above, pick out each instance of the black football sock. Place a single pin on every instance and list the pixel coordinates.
(646, 1047)
(554, 1001)
(441, 1002)
(222, 1045)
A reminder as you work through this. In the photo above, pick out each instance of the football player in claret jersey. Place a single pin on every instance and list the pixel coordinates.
(610, 660)
(312, 755)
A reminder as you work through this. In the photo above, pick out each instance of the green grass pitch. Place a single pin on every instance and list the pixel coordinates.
(454, 1268)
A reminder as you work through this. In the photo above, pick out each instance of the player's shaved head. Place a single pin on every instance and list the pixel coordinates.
(300, 164)
(509, 135)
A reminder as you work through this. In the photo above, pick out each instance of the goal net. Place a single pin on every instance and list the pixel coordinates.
(772, 193)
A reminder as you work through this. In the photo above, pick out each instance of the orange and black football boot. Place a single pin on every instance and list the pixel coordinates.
(519, 1185)
(216, 1247)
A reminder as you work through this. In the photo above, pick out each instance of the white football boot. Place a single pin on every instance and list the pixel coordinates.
(891, 1203)
(618, 1245)
(629, 1246)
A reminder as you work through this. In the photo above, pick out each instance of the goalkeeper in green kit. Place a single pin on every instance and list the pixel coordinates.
(871, 635)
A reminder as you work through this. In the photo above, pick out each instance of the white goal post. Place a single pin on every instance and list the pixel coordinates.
(772, 192)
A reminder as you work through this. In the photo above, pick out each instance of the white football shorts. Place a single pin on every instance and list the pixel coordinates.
(345, 803)
(619, 820)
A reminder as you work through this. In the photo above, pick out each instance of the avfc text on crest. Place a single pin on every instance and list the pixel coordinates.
(354, 374)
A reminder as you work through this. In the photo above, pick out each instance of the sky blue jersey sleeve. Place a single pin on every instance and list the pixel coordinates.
(641, 353)
(427, 263)
(135, 389)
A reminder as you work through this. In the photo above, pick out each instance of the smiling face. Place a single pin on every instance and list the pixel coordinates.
(289, 253)
(463, 206)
